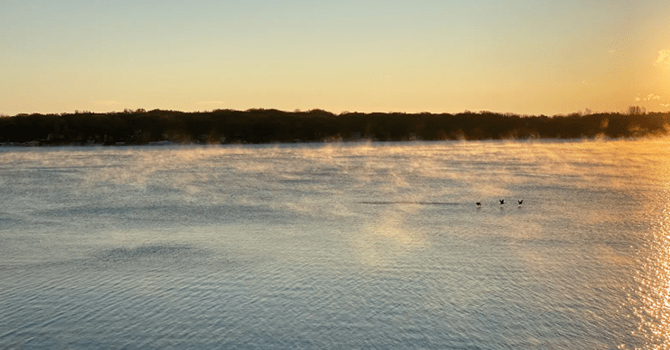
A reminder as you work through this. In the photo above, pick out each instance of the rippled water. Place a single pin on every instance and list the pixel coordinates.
(337, 246)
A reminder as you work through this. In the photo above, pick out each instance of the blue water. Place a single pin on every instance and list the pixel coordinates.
(355, 245)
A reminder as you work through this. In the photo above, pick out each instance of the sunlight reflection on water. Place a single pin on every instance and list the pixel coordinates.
(337, 245)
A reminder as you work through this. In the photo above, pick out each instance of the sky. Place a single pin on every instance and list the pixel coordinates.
(527, 57)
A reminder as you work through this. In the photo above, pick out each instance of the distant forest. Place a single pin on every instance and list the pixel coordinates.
(140, 127)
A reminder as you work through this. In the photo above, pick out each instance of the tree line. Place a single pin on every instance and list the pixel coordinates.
(274, 126)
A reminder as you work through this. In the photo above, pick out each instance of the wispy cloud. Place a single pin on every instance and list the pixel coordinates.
(649, 97)
(663, 59)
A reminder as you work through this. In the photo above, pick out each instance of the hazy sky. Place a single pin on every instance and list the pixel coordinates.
(529, 57)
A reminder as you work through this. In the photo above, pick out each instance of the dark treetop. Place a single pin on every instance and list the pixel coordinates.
(271, 126)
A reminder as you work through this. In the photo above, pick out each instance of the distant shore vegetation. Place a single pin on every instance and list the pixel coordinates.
(140, 127)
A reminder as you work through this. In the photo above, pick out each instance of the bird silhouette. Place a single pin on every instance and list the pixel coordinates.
(502, 201)
(520, 201)
(479, 204)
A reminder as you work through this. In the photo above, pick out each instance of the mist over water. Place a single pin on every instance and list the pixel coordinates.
(354, 245)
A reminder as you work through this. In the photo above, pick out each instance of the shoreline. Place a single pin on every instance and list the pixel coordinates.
(599, 138)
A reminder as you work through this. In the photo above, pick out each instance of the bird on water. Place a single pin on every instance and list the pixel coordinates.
(502, 202)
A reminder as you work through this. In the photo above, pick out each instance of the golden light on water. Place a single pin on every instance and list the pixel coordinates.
(650, 301)
(381, 243)
(654, 289)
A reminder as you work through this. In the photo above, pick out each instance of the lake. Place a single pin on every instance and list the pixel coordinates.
(337, 245)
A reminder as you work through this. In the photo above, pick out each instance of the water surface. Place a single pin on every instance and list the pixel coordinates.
(360, 245)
